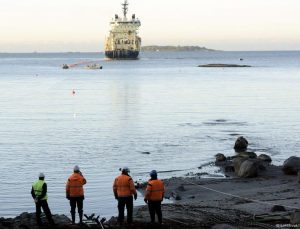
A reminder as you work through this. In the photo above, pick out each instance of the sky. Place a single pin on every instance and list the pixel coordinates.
(81, 25)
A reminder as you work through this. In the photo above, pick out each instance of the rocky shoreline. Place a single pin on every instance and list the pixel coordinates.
(224, 66)
(254, 194)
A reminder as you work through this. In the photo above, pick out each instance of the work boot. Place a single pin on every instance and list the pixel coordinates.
(73, 217)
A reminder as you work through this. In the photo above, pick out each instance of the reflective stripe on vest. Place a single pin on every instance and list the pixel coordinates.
(38, 189)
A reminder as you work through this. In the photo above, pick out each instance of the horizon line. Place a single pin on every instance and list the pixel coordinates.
(72, 52)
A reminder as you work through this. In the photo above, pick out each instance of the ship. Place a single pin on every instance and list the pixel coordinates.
(123, 41)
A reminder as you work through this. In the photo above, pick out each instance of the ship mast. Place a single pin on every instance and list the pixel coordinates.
(125, 8)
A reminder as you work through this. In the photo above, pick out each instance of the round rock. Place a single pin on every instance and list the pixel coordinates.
(247, 154)
(291, 166)
(220, 157)
(237, 163)
(265, 158)
(248, 169)
(241, 144)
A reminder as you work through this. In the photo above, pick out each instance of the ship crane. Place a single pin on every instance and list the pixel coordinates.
(125, 8)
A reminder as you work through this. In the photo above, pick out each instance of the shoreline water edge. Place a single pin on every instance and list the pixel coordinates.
(254, 194)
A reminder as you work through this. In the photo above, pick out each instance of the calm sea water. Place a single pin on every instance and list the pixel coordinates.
(160, 112)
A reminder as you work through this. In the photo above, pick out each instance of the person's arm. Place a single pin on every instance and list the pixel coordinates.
(68, 190)
(164, 190)
(132, 188)
(115, 189)
(148, 192)
(44, 192)
(84, 180)
(33, 193)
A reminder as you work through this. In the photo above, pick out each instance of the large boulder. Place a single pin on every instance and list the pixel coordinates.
(241, 144)
(265, 158)
(247, 154)
(248, 169)
(278, 208)
(295, 217)
(291, 166)
(237, 162)
(28, 220)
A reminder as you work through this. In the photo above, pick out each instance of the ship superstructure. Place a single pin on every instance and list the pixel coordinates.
(123, 41)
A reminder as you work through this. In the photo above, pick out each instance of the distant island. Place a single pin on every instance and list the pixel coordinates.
(155, 48)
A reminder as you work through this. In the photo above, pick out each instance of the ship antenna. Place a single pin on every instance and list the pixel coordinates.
(125, 8)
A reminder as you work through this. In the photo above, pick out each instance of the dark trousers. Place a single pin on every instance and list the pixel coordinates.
(128, 202)
(43, 204)
(155, 207)
(76, 201)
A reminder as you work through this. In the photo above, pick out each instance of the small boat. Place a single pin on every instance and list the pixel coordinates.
(65, 66)
(94, 66)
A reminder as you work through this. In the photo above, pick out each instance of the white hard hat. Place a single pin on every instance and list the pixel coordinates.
(41, 175)
(76, 168)
(125, 169)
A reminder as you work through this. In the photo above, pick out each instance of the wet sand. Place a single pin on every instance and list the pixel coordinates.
(203, 202)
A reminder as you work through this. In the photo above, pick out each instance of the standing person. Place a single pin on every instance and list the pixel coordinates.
(124, 192)
(154, 196)
(39, 194)
(75, 192)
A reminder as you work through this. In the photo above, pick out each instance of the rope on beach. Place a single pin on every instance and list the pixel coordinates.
(218, 218)
(176, 221)
(240, 197)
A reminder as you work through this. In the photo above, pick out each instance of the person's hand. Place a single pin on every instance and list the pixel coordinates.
(68, 197)
(36, 200)
(116, 197)
(146, 201)
(135, 196)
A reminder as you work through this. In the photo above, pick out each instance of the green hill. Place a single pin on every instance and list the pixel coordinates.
(174, 48)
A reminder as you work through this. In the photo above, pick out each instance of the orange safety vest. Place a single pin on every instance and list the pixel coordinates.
(123, 186)
(74, 187)
(155, 190)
